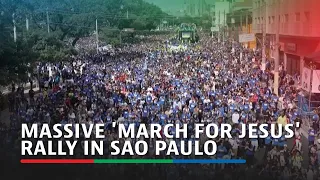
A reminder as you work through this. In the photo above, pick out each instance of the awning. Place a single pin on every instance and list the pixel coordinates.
(314, 57)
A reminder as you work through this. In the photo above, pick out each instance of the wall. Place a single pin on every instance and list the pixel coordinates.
(297, 17)
(242, 4)
(252, 44)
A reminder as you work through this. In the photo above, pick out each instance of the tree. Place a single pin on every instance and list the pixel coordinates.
(76, 18)
(16, 57)
(69, 21)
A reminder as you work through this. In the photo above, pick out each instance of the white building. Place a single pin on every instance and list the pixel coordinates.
(221, 9)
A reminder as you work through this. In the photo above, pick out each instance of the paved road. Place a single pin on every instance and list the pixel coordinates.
(5, 117)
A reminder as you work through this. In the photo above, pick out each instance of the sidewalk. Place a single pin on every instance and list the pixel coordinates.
(6, 90)
(304, 130)
(5, 117)
(5, 114)
(26, 91)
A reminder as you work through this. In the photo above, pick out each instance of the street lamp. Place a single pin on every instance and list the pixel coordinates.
(312, 66)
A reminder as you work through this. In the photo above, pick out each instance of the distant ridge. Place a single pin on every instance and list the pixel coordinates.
(173, 6)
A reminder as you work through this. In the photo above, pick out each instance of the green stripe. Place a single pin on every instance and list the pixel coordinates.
(133, 161)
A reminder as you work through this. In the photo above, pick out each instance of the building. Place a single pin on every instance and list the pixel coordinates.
(299, 30)
(197, 8)
(221, 9)
(239, 20)
(209, 7)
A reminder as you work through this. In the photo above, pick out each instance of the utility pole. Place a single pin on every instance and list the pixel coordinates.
(127, 14)
(312, 67)
(173, 21)
(212, 24)
(247, 29)
(14, 28)
(27, 23)
(233, 26)
(241, 22)
(97, 36)
(48, 22)
(224, 24)
(264, 24)
(276, 63)
(219, 27)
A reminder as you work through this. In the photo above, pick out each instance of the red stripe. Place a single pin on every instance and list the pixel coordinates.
(57, 161)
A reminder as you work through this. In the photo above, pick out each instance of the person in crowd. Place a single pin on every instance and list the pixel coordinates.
(150, 83)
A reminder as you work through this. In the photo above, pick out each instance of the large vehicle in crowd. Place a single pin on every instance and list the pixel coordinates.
(188, 33)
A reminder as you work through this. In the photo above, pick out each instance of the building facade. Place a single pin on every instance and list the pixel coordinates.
(197, 8)
(298, 24)
(240, 20)
(221, 9)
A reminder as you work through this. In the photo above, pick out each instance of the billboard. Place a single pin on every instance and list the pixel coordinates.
(215, 29)
(316, 81)
(186, 35)
(243, 38)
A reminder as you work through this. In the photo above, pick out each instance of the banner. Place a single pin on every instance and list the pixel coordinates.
(215, 29)
(306, 79)
(316, 81)
(186, 35)
(246, 38)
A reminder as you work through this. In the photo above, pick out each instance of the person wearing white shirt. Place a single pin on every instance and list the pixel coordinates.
(149, 89)
(177, 104)
(234, 143)
(206, 100)
(230, 101)
(235, 117)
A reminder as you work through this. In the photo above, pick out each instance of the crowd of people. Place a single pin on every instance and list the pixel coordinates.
(209, 82)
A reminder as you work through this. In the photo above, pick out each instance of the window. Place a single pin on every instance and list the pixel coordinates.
(286, 18)
(273, 18)
(297, 17)
(270, 20)
(307, 16)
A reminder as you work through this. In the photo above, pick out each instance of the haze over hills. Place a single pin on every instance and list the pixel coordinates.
(174, 7)
(170, 6)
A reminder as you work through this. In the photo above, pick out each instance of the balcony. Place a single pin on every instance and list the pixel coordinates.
(303, 29)
(271, 28)
(307, 29)
(296, 29)
(257, 28)
(284, 28)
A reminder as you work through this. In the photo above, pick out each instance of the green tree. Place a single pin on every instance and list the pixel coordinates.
(70, 20)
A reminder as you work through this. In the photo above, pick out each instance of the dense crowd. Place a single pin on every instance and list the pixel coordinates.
(209, 82)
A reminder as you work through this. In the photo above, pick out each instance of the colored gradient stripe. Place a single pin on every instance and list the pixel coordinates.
(57, 161)
(133, 161)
